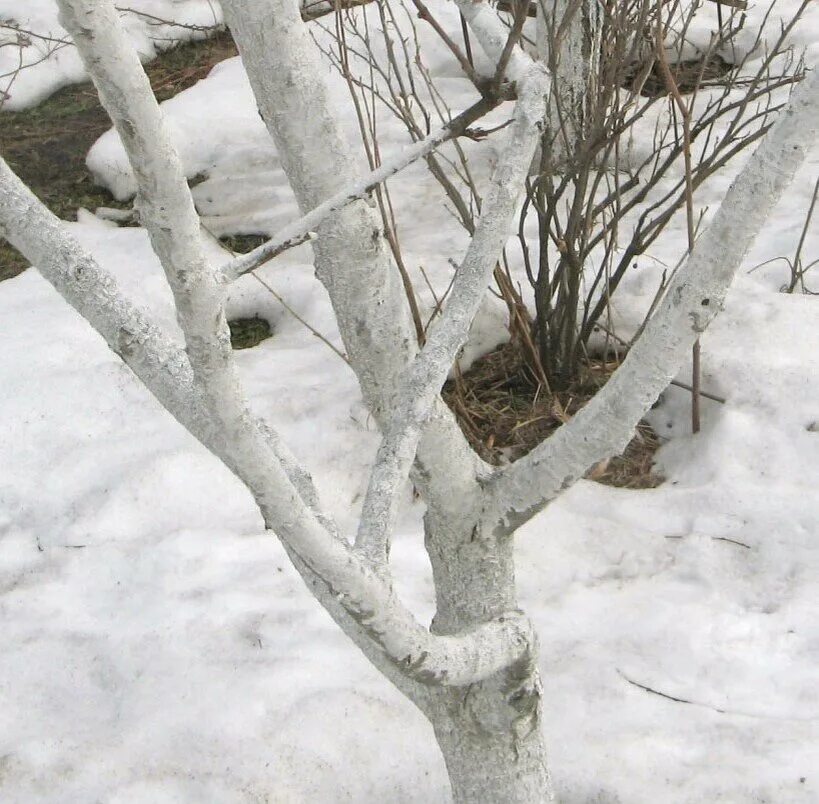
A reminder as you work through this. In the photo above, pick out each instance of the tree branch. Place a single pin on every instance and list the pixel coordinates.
(429, 370)
(165, 371)
(695, 296)
(351, 258)
(154, 358)
(236, 437)
(302, 230)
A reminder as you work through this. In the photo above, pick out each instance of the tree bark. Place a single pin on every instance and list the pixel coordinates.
(489, 759)
(475, 676)
(351, 257)
(568, 43)
(489, 733)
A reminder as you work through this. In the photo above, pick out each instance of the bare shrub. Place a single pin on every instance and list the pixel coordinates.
(596, 201)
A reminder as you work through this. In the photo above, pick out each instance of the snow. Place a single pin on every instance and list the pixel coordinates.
(703, 589)
(49, 65)
(157, 647)
(769, 16)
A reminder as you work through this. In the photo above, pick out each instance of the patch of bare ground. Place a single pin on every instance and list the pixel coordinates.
(690, 75)
(46, 145)
(505, 413)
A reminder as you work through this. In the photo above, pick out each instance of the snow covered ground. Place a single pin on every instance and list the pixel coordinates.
(157, 647)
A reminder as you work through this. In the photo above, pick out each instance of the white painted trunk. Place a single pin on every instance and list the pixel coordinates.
(474, 673)
(489, 733)
(492, 744)
(421, 387)
(351, 255)
(568, 43)
(487, 760)
(233, 434)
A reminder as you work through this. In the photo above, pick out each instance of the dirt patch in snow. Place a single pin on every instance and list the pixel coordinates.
(505, 413)
(46, 145)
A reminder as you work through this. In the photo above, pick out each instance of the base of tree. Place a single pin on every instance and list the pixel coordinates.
(505, 413)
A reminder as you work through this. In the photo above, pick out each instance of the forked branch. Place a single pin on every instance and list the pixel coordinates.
(429, 370)
(209, 382)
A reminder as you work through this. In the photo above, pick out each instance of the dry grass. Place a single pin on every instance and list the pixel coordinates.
(504, 414)
(689, 75)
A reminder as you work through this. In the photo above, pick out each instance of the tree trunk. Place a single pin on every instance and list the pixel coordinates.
(351, 256)
(568, 42)
(489, 733)
(488, 760)
(487, 720)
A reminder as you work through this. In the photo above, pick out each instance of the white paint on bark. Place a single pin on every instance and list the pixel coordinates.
(428, 372)
(475, 675)
(568, 42)
(352, 260)
(168, 213)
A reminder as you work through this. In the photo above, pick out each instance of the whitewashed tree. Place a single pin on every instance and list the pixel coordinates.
(473, 672)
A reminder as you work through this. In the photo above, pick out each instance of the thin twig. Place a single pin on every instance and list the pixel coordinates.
(298, 318)
(464, 60)
(512, 40)
(731, 541)
(157, 21)
(797, 273)
(666, 695)
(685, 112)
